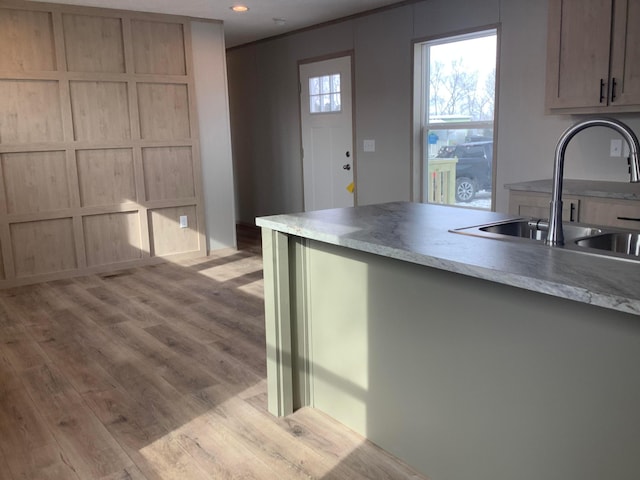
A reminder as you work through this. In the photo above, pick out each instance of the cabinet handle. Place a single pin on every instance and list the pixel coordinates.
(602, 90)
(629, 219)
(571, 212)
(613, 89)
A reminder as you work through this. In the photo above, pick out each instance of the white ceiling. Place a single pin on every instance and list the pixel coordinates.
(255, 24)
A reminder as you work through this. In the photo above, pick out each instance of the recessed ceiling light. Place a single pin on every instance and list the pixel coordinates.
(239, 8)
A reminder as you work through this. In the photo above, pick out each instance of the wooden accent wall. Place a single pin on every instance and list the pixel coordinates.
(99, 151)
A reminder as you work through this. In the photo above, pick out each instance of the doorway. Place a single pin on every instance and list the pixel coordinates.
(327, 134)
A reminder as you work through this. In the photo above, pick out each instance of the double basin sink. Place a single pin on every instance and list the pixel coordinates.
(595, 240)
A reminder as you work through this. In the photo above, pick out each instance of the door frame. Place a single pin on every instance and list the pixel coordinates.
(354, 155)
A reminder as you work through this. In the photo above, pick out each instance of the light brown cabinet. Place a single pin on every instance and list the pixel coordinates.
(611, 212)
(593, 56)
(536, 205)
(578, 208)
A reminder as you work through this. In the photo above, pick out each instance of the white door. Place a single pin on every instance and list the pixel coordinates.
(327, 160)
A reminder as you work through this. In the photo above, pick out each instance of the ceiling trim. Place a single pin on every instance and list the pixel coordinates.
(327, 23)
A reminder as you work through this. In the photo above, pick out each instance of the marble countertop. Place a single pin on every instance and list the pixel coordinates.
(587, 188)
(419, 233)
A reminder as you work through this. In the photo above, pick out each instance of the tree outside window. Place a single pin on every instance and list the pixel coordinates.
(459, 90)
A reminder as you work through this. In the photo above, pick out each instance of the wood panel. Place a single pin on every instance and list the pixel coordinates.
(158, 47)
(164, 111)
(112, 238)
(35, 181)
(93, 44)
(99, 149)
(106, 176)
(100, 111)
(43, 246)
(27, 41)
(168, 173)
(30, 112)
(166, 235)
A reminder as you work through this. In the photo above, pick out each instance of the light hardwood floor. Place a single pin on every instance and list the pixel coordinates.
(158, 373)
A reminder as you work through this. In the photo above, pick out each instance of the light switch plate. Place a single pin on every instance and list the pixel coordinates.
(615, 150)
(369, 145)
(183, 221)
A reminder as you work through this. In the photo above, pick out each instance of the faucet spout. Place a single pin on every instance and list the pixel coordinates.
(555, 236)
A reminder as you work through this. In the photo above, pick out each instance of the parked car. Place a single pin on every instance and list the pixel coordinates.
(473, 170)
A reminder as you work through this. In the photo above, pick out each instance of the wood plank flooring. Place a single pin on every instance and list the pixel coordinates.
(158, 373)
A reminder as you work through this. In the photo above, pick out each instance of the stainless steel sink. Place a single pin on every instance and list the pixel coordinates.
(537, 229)
(516, 228)
(527, 228)
(588, 239)
(627, 243)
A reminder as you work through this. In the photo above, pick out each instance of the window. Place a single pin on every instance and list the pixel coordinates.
(324, 94)
(456, 83)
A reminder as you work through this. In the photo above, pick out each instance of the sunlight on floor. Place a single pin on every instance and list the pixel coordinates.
(254, 288)
(238, 269)
(234, 439)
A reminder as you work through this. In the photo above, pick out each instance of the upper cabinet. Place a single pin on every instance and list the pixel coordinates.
(625, 54)
(593, 56)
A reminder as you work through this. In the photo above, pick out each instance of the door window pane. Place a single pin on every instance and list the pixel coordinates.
(324, 94)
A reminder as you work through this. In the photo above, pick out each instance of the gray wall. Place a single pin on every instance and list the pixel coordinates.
(215, 139)
(265, 117)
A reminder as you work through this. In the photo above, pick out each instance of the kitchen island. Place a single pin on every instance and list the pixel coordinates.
(466, 357)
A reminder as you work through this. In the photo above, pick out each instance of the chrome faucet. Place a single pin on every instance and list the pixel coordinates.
(555, 236)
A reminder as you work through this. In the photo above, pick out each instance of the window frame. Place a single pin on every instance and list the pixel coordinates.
(421, 102)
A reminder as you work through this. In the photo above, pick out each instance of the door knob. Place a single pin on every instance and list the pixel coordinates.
(346, 166)
(348, 154)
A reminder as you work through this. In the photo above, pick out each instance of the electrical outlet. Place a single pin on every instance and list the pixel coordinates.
(183, 221)
(615, 150)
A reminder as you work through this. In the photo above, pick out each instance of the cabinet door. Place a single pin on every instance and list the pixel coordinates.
(613, 213)
(536, 205)
(579, 39)
(625, 54)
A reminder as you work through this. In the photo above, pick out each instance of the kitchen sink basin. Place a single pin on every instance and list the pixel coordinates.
(517, 228)
(588, 239)
(537, 230)
(627, 243)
